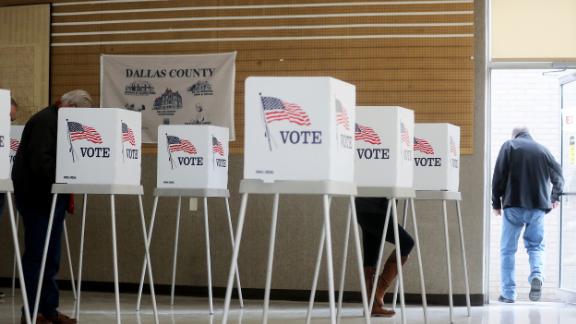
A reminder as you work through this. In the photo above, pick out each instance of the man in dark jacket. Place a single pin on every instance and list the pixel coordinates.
(33, 173)
(521, 186)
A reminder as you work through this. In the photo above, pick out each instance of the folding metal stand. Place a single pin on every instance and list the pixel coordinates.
(393, 194)
(7, 187)
(325, 188)
(86, 190)
(456, 197)
(67, 242)
(198, 193)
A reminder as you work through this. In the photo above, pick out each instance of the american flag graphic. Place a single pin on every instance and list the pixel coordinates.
(276, 110)
(128, 135)
(423, 146)
(452, 147)
(176, 144)
(14, 144)
(342, 115)
(217, 146)
(404, 135)
(83, 132)
(366, 134)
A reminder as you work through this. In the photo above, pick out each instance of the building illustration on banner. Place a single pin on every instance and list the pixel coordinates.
(134, 107)
(201, 88)
(139, 88)
(168, 103)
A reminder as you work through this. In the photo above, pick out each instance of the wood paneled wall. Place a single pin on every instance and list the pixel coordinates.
(416, 54)
(24, 56)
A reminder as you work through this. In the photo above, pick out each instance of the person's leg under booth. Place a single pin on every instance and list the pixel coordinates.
(35, 227)
(512, 225)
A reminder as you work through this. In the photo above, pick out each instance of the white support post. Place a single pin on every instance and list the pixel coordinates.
(147, 241)
(448, 262)
(18, 259)
(270, 266)
(360, 261)
(81, 257)
(464, 261)
(144, 263)
(175, 257)
(115, 258)
(69, 256)
(238, 286)
(235, 252)
(329, 259)
(398, 260)
(208, 257)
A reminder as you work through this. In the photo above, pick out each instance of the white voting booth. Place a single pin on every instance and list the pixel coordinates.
(99, 152)
(299, 139)
(384, 168)
(437, 174)
(192, 162)
(7, 188)
(437, 157)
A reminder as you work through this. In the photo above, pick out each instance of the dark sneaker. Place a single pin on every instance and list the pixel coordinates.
(503, 299)
(535, 290)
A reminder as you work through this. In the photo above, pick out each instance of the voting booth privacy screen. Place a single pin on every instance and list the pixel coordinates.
(192, 157)
(98, 146)
(4, 134)
(15, 137)
(436, 157)
(299, 128)
(384, 150)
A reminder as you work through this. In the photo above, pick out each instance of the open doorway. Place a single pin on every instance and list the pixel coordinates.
(532, 98)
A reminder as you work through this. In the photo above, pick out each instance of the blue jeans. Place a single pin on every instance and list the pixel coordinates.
(35, 228)
(515, 219)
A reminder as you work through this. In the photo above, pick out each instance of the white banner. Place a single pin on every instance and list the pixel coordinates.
(171, 89)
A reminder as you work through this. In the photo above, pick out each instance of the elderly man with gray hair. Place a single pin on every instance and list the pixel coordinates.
(521, 182)
(33, 173)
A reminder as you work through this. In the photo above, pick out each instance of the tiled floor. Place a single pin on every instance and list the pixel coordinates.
(99, 308)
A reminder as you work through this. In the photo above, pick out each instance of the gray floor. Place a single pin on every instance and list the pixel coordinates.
(99, 308)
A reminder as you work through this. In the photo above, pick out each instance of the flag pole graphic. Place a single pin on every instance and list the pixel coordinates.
(267, 134)
(71, 149)
(169, 153)
(122, 138)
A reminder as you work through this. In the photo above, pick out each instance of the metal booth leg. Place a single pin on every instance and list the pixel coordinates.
(235, 252)
(18, 259)
(448, 262)
(464, 262)
(380, 252)
(316, 275)
(398, 260)
(175, 257)
(17, 246)
(269, 268)
(115, 258)
(144, 263)
(208, 257)
(69, 256)
(343, 266)
(329, 259)
(81, 258)
(419, 256)
(148, 258)
(238, 286)
(359, 261)
(396, 286)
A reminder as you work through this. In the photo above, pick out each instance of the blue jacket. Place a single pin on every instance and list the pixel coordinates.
(522, 176)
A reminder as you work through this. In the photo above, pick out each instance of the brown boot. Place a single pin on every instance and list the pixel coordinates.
(388, 275)
(60, 318)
